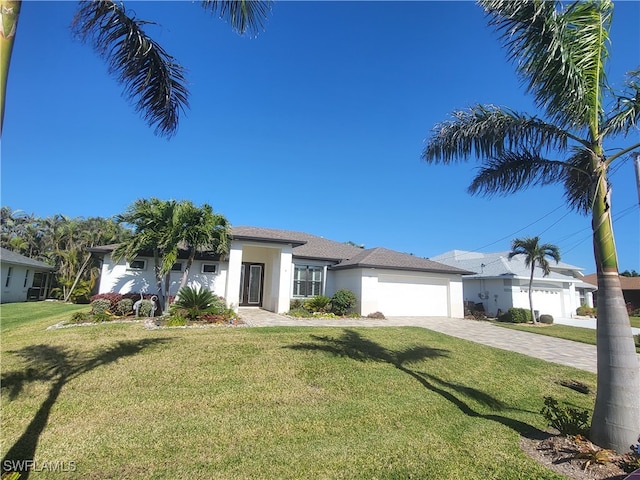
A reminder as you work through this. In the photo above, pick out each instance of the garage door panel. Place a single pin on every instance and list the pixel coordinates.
(413, 295)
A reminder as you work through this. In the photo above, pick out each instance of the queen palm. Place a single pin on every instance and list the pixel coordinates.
(197, 228)
(153, 231)
(534, 255)
(153, 80)
(560, 51)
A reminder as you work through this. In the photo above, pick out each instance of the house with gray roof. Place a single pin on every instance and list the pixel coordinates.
(500, 283)
(23, 278)
(268, 268)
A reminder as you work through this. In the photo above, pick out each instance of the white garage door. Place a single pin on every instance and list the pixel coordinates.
(400, 295)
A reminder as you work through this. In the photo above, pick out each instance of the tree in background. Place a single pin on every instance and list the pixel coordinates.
(61, 242)
(560, 51)
(153, 80)
(534, 255)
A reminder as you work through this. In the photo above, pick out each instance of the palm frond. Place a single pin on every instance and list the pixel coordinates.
(244, 16)
(560, 54)
(515, 170)
(488, 131)
(626, 112)
(578, 182)
(152, 78)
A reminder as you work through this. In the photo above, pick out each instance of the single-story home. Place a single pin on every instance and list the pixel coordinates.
(500, 283)
(268, 268)
(630, 289)
(23, 278)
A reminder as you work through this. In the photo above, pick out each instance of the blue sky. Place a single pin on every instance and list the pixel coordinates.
(316, 125)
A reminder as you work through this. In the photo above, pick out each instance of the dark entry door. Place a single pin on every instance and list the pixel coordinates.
(251, 279)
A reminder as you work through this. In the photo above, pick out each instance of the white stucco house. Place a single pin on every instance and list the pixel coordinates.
(23, 278)
(268, 268)
(500, 283)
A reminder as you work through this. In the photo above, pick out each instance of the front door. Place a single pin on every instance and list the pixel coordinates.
(251, 277)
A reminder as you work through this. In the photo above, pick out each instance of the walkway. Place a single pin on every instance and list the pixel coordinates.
(556, 350)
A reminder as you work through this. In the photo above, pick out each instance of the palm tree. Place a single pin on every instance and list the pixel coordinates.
(560, 51)
(534, 255)
(153, 80)
(197, 229)
(152, 222)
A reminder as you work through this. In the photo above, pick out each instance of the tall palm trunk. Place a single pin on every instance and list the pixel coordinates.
(533, 268)
(9, 13)
(158, 275)
(185, 274)
(616, 415)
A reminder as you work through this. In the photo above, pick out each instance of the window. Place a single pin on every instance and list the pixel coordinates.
(176, 267)
(9, 271)
(137, 265)
(209, 268)
(26, 278)
(307, 281)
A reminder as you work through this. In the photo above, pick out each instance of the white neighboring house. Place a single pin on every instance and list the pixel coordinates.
(23, 278)
(268, 268)
(500, 283)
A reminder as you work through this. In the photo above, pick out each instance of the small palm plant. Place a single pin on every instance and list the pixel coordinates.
(195, 302)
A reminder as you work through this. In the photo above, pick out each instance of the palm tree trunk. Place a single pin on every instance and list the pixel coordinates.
(616, 415)
(9, 14)
(185, 274)
(533, 317)
(156, 271)
(75, 282)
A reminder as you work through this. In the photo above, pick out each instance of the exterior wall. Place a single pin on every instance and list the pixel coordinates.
(19, 283)
(398, 292)
(116, 277)
(494, 294)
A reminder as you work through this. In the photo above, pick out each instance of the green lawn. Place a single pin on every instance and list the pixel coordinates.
(635, 322)
(13, 315)
(260, 403)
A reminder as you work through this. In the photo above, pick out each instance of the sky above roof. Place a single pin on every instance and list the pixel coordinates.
(316, 125)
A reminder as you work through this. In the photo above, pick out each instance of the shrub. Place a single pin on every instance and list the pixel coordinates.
(176, 321)
(100, 306)
(100, 317)
(79, 317)
(197, 302)
(516, 315)
(567, 420)
(295, 304)
(145, 308)
(124, 307)
(548, 319)
(113, 299)
(585, 311)
(343, 301)
(300, 313)
(317, 304)
(379, 315)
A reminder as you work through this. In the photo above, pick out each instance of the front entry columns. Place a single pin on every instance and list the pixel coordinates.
(233, 275)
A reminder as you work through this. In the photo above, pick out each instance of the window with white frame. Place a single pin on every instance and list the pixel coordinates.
(137, 265)
(209, 268)
(8, 280)
(176, 267)
(26, 278)
(307, 280)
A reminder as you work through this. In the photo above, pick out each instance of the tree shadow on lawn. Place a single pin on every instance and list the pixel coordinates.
(353, 345)
(58, 365)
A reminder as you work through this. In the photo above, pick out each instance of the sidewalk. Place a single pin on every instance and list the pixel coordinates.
(556, 350)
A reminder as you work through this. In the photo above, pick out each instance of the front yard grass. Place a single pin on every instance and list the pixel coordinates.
(242, 403)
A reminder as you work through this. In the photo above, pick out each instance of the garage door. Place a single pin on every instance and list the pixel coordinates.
(413, 295)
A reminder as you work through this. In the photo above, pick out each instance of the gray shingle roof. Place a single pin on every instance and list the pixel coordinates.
(384, 258)
(305, 245)
(498, 264)
(13, 258)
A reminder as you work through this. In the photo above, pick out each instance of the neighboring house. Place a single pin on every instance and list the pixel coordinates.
(268, 268)
(630, 289)
(23, 278)
(500, 283)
